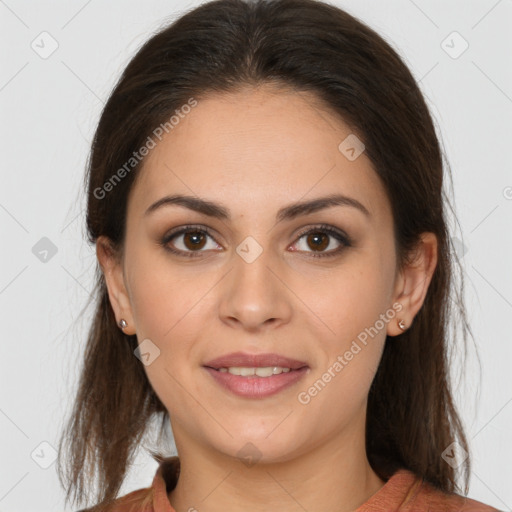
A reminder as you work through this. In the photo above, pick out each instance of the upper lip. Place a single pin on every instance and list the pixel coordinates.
(242, 359)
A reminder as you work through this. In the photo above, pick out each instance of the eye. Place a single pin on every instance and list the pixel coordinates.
(321, 238)
(190, 241)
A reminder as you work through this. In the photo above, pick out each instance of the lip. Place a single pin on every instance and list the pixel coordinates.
(254, 386)
(254, 361)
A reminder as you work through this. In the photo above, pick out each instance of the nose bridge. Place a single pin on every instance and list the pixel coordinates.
(252, 294)
(251, 264)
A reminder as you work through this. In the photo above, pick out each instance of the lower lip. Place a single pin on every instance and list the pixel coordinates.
(257, 387)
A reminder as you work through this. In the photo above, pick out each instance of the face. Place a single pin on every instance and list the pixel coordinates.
(313, 285)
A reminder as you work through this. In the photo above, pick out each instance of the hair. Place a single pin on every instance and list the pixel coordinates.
(307, 46)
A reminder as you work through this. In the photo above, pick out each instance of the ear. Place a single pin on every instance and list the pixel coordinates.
(112, 268)
(412, 283)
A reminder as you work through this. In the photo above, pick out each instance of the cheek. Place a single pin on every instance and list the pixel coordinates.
(347, 300)
(168, 310)
(339, 387)
(164, 297)
(171, 308)
(351, 306)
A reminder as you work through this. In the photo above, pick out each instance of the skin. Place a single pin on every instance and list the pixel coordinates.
(255, 151)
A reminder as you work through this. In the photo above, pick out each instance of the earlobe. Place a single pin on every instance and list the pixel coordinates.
(413, 282)
(112, 270)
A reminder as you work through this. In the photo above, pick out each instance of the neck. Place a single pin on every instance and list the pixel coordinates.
(335, 476)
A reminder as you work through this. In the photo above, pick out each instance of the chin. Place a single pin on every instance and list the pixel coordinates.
(260, 447)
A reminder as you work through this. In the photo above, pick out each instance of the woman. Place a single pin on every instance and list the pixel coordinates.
(265, 197)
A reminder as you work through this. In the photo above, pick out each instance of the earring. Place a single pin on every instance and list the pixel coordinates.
(123, 323)
(401, 325)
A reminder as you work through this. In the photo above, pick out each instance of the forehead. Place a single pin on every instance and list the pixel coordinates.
(255, 147)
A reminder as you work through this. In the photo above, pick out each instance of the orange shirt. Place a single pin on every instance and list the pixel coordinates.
(403, 492)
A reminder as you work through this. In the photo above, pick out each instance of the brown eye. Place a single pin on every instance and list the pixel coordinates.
(194, 240)
(189, 241)
(318, 241)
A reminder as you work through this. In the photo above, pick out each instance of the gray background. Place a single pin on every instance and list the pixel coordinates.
(49, 106)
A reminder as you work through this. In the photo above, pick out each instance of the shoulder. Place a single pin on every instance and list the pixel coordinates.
(139, 500)
(147, 499)
(431, 498)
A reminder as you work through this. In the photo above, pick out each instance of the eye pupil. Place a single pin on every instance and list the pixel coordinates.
(196, 238)
(319, 240)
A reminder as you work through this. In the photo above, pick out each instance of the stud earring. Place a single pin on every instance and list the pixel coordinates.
(123, 323)
(401, 325)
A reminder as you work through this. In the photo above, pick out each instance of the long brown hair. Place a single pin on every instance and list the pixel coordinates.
(305, 45)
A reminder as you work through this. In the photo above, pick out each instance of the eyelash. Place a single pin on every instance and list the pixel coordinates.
(322, 228)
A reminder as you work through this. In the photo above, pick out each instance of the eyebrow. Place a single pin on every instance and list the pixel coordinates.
(289, 212)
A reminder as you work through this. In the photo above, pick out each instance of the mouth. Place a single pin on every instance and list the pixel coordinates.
(264, 371)
(249, 361)
(255, 375)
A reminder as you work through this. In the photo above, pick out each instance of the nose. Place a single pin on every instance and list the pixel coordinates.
(254, 294)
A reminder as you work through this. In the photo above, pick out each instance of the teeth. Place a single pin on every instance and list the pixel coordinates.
(259, 372)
